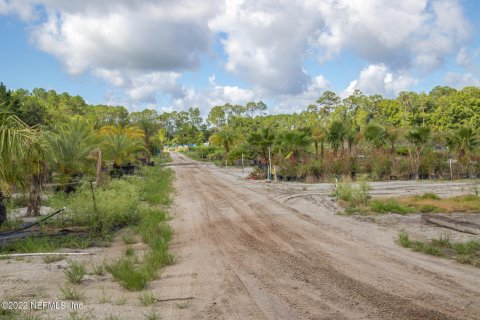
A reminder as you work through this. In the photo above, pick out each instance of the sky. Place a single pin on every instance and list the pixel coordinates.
(176, 54)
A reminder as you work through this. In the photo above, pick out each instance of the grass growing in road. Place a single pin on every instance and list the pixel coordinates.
(134, 274)
(464, 252)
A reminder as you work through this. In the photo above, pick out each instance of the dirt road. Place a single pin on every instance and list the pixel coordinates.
(244, 252)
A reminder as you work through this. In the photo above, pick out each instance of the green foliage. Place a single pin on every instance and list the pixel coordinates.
(75, 271)
(130, 277)
(147, 298)
(72, 142)
(388, 206)
(155, 185)
(464, 252)
(114, 209)
(354, 194)
(72, 293)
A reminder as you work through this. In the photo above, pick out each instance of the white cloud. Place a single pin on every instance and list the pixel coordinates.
(399, 34)
(461, 80)
(160, 36)
(142, 47)
(377, 79)
(266, 42)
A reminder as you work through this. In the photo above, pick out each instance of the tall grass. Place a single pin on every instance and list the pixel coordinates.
(354, 193)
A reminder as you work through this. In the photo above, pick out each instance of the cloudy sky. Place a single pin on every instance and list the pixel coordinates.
(174, 54)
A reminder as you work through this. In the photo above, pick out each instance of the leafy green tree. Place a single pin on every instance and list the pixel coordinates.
(328, 101)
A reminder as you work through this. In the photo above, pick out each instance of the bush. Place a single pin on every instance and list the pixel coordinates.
(116, 205)
(355, 194)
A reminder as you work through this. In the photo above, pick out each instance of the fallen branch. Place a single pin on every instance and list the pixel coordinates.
(173, 299)
(14, 255)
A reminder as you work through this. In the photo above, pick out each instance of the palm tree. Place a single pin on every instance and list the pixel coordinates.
(418, 138)
(72, 143)
(375, 135)
(225, 138)
(35, 164)
(336, 135)
(318, 136)
(120, 147)
(463, 140)
(18, 142)
(293, 143)
(392, 135)
(262, 139)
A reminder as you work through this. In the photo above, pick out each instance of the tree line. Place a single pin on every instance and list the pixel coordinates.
(50, 137)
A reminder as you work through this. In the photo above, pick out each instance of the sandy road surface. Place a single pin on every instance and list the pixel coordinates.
(246, 253)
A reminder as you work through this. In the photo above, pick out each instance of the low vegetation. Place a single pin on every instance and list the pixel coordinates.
(75, 271)
(464, 252)
(356, 200)
(134, 272)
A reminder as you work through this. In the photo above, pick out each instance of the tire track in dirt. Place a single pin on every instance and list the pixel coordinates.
(277, 262)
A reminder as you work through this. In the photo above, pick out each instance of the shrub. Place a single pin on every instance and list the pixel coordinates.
(116, 206)
(355, 194)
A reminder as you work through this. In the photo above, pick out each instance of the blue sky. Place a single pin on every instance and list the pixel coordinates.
(171, 55)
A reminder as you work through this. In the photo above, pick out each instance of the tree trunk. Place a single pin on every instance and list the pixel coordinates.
(35, 196)
(322, 150)
(147, 153)
(3, 209)
(98, 175)
(316, 150)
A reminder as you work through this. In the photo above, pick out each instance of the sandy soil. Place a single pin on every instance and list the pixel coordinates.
(256, 250)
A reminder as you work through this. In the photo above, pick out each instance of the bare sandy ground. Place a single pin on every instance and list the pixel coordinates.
(253, 250)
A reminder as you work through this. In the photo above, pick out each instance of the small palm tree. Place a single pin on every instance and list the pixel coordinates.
(72, 143)
(318, 136)
(336, 134)
(375, 135)
(225, 138)
(18, 144)
(392, 135)
(293, 143)
(418, 138)
(121, 148)
(463, 140)
(262, 139)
